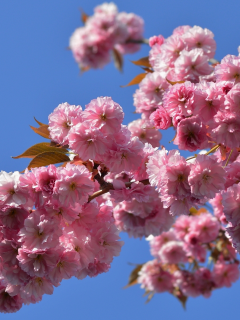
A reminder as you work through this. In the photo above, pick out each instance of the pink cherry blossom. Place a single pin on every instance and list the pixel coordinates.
(153, 278)
(192, 64)
(228, 69)
(172, 252)
(206, 177)
(145, 132)
(39, 232)
(105, 114)
(197, 37)
(160, 118)
(73, 185)
(179, 99)
(61, 121)
(225, 274)
(191, 134)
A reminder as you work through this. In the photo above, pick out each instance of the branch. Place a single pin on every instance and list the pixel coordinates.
(140, 41)
(109, 186)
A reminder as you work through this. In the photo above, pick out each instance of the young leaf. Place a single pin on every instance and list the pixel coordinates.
(133, 276)
(136, 80)
(40, 123)
(143, 62)
(42, 131)
(174, 82)
(84, 16)
(46, 158)
(117, 59)
(39, 148)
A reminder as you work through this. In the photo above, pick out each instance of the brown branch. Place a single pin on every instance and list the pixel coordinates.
(109, 186)
(140, 41)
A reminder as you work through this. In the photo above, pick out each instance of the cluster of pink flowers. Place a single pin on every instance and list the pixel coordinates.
(103, 32)
(180, 254)
(50, 232)
(183, 184)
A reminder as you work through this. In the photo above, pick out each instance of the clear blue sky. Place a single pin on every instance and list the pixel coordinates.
(36, 74)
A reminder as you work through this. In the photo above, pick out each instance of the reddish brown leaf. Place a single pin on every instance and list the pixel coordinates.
(83, 69)
(148, 70)
(223, 152)
(133, 276)
(39, 148)
(84, 16)
(174, 82)
(117, 59)
(40, 123)
(136, 80)
(47, 158)
(143, 62)
(42, 131)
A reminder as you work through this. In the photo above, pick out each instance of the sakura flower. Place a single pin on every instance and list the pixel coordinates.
(191, 134)
(206, 177)
(231, 204)
(172, 252)
(73, 185)
(8, 303)
(135, 26)
(225, 129)
(206, 228)
(153, 278)
(145, 132)
(208, 99)
(161, 119)
(87, 141)
(179, 99)
(9, 191)
(61, 121)
(106, 238)
(66, 266)
(104, 114)
(37, 262)
(225, 274)
(13, 216)
(197, 37)
(192, 64)
(33, 291)
(157, 242)
(228, 69)
(39, 232)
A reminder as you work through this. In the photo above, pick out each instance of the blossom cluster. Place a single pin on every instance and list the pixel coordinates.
(103, 32)
(180, 254)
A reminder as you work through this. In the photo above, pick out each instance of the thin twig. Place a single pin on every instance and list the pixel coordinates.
(140, 41)
(109, 186)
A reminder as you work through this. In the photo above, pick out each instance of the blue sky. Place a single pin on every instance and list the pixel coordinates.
(36, 74)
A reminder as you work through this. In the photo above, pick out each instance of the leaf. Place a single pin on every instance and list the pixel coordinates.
(40, 123)
(83, 69)
(133, 276)
(174, 82)
(42, 131)
(148, 70)
(180, 296)
(136, 80)
(142, 62)
(150, 296)
(117, 59)
(46, 158)
(39, 148)
(84, 16)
